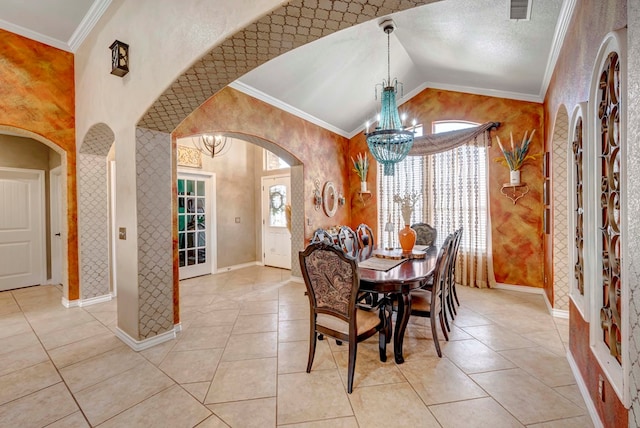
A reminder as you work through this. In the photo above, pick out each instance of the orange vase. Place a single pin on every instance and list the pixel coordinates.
(407, 237)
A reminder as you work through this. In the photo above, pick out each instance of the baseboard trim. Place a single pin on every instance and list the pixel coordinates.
(141, 345)
(79, 303)
(520, 288)
(296, 279)
(584, 391)
(95, 300)
(236, 267)
(556, 313)
(70, 303)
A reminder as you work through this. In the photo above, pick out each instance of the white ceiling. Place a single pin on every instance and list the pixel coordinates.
(464, 45)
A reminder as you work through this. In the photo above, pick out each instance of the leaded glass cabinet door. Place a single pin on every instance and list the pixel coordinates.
(276, 234)
(194, 225)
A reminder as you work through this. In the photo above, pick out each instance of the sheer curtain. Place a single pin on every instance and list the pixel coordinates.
(449, 169)
(457, 189)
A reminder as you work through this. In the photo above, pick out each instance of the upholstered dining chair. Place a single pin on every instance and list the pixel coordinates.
(332, 282)
(425, 234)
(321, 235)
(451, 274)
(348, 241)
(366, 241)
(429, 303)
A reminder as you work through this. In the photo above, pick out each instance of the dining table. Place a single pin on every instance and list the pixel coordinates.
(412, 271)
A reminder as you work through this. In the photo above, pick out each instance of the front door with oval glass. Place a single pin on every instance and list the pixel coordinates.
(194, 225)
(276, 221)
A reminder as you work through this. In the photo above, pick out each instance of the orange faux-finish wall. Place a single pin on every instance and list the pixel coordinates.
(516, 229)
(322, 153)
(570, 85)
(37, 94)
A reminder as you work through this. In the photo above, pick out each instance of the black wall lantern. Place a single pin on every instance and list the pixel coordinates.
(119, 58)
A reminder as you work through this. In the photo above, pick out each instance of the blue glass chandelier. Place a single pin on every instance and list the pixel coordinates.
(390, 142)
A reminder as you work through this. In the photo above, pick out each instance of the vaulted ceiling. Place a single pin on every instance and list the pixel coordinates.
(463, 45)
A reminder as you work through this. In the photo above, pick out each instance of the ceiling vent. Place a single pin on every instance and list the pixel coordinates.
(519, 9)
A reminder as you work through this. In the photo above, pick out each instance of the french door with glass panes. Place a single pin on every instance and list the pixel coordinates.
(195, 193)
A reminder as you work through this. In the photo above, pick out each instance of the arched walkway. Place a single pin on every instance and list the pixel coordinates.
(93, 214)
(560, 167)
(285, 28)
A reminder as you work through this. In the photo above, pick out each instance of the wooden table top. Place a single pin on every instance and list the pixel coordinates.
(402, 278)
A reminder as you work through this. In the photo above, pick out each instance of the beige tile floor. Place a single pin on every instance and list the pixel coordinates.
(240, 361)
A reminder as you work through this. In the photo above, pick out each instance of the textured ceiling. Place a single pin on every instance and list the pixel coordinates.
(59, 23)
(322, 59)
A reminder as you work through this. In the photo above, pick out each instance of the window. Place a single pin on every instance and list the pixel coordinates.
(455, 177)
(273, 162)
(446, 181)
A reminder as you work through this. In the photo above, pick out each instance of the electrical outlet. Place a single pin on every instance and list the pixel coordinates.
(601, 387)
(237, 219)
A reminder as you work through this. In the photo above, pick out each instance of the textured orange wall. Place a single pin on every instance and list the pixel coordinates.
(516, 229)
(590, 23)
(322, 152)
(37, 94)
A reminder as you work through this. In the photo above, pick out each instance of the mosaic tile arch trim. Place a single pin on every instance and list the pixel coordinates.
(292, 25)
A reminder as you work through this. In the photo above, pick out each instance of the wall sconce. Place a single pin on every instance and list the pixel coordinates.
(119, 58)
(317, 195)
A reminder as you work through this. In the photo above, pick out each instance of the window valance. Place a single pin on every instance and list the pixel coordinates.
(436, 143)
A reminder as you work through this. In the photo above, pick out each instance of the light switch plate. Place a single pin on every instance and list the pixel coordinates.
(122, 233)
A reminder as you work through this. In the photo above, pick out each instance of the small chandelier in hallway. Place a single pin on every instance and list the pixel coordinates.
(213, 145)
(390, 142)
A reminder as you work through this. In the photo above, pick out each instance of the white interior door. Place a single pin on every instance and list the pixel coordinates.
(196, 251)
(55, 217)
(276, 240)
(21, 228)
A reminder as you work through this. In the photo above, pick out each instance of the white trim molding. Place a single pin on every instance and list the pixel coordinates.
(236, 267)
(584, 391)
(79, 303)
(141, 345)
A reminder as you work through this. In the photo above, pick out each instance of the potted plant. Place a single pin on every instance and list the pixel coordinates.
(516, 157)
(361, 167)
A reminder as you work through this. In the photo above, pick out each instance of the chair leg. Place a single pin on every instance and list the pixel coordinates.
(312, 349)
(353, 349)
(443, 311)
(452, 307)
(434, 333)
(444, 330)
(455, 294)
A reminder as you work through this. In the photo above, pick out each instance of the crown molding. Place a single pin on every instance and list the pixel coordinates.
(253, 92)
(88, 22)
(566, 12)
(33, 35)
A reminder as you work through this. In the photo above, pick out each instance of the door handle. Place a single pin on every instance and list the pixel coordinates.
(57, 234)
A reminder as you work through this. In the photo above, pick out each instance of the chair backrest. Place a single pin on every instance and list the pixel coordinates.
(348, 241)
(365, 239)
(457, 237)
(425, 234)
(321, 235)
(331, 278)
(440, 275)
